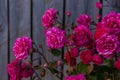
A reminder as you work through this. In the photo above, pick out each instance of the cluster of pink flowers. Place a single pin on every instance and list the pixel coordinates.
(49, 18)
(18, 70)
(107, 37)
(55, 37)
(22, 47)
(107, 40)
(76, 77)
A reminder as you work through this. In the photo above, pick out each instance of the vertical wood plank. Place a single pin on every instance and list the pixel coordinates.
(19, 22)
(3, 40)
(39, 8)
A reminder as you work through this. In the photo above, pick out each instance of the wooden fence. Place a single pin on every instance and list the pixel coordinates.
(23, 17)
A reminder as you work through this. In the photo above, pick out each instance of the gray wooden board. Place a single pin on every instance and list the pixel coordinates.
(3, 40)
(39, 8)
(19, 22)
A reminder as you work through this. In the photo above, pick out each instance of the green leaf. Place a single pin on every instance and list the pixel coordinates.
(110, 63)
(93, 77)
(82, 68)
(64, 61)
(56, 52)
(100, 76)
(52, 70)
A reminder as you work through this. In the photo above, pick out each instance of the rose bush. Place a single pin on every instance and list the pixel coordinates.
(88, 55)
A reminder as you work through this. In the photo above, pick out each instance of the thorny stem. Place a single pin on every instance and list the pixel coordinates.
(41, 54)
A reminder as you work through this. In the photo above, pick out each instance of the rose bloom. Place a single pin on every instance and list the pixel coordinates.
(70, 60)
(14, 70)
(116, 32)
(99, 32)
(117, 64)
(26, 70)
(49, 18)
(97, 59)
(22, 47)
(111, 20)
(98, 16)
(107, 45)
(81, 36)
(74, 52)
(18, 70)
(55, 38)
(76, 77)
(84, 19)
(86, 56)
(68, 13)
(98, 5)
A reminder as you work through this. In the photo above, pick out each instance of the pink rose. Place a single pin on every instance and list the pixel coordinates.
(86, 56)
(117, 64)
(76, 77)
(98, 16)
(27, 70)
(68, 13)
(59, 62)
(84, 20)
(98, 5)
(14, 70)
(116, 32)
(81, 36)
(97, 59)
(48, 19)
(107, 45)
(18, 70)
(74, 52)
(55, 37)
(111, 20)
(70, 60)
(99, 32)
(22, 47)
(70, 42)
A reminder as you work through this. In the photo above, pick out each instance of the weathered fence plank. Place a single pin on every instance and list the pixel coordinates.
(3, 40)
(39, 8)
(19, 21)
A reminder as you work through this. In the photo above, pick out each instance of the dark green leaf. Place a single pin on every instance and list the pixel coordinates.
(82, 68)
(64, 61)
(56, 52)
(93, 77)
(52, 70)
(110, 63)
(100, 76)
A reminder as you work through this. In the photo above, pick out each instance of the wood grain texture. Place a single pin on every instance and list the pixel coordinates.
(3, 40)
(39, 8)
